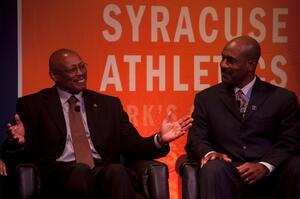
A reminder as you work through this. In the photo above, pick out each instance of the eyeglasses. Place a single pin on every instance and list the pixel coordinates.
(74, 68)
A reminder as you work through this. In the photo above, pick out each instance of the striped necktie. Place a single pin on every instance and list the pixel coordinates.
(241, 98)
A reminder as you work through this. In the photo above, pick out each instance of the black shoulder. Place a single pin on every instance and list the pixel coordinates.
(213, 90)
(37, 95)
(99, 98)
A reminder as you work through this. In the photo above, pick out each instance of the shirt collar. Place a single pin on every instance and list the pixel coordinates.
(64, 96)
(246, 88)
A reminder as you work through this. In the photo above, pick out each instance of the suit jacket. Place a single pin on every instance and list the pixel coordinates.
(262, 135)
(111, 132)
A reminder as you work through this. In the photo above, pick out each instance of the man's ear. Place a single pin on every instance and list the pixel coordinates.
(251, 65)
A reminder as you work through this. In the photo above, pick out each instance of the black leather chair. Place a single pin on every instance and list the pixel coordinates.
(152, 178)
(28, 181)
(188, 170)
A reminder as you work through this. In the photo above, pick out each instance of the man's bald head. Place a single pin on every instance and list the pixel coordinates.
(249, 47)
(57, 58)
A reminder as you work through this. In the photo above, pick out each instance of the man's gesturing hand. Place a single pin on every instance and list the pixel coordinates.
(171, 129)
(16, 132)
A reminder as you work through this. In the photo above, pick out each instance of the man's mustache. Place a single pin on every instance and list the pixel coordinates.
(226, 71)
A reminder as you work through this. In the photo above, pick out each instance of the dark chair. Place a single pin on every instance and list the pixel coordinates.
(152, 178)
(28, 181)
(188, 170)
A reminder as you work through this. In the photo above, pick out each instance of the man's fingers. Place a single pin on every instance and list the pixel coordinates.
(201, 164)
(214, 156)
(4, 173)
(181, 133)
(18, 119)
(247, 174)
(186, 127)
(248, 180)
(185, 121)
(208, 158)
(203, 161)
(15, 137)
(11, 130)
(226, 158)
(178, 134)
(251, 181)
(2, 168)
(242, 168)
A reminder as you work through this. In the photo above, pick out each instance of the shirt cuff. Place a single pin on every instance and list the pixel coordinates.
(156, 142)
(270, 167)
(209, 153)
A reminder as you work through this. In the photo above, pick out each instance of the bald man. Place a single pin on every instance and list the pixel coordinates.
(241, 133)
(45, 133)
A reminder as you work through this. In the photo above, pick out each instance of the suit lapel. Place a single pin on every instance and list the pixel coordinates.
(54, 108)
(91, 108)
(258, 97)
(94, 117)
(228, 98)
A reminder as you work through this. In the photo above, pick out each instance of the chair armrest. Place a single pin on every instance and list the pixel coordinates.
(153, 175)
(188, 170)
(28, 181)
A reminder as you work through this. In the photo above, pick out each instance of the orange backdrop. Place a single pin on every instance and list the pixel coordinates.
(155, 55)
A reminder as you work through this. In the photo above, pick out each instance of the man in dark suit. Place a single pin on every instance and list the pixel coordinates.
(45, 127)
(241, 132)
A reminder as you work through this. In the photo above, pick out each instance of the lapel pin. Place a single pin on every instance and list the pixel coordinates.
(254, 108)
(95, 105)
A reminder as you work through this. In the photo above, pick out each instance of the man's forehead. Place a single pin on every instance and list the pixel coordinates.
(233, 49)
(65, 54)
(70, 60)
(67, 59)
(228, 53)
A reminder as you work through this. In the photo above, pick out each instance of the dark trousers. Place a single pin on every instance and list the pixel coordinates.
(76, 180)
(220, 180)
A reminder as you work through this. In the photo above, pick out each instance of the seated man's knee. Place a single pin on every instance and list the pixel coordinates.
(292, 166)
(116, 171)
(214, 168)
(81, 171)
(81, 183)
(115, 177)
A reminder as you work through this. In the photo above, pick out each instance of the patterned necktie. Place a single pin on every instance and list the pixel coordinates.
(81, 145)
(241, 98)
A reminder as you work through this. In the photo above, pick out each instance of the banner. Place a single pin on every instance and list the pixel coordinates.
(156, 55)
